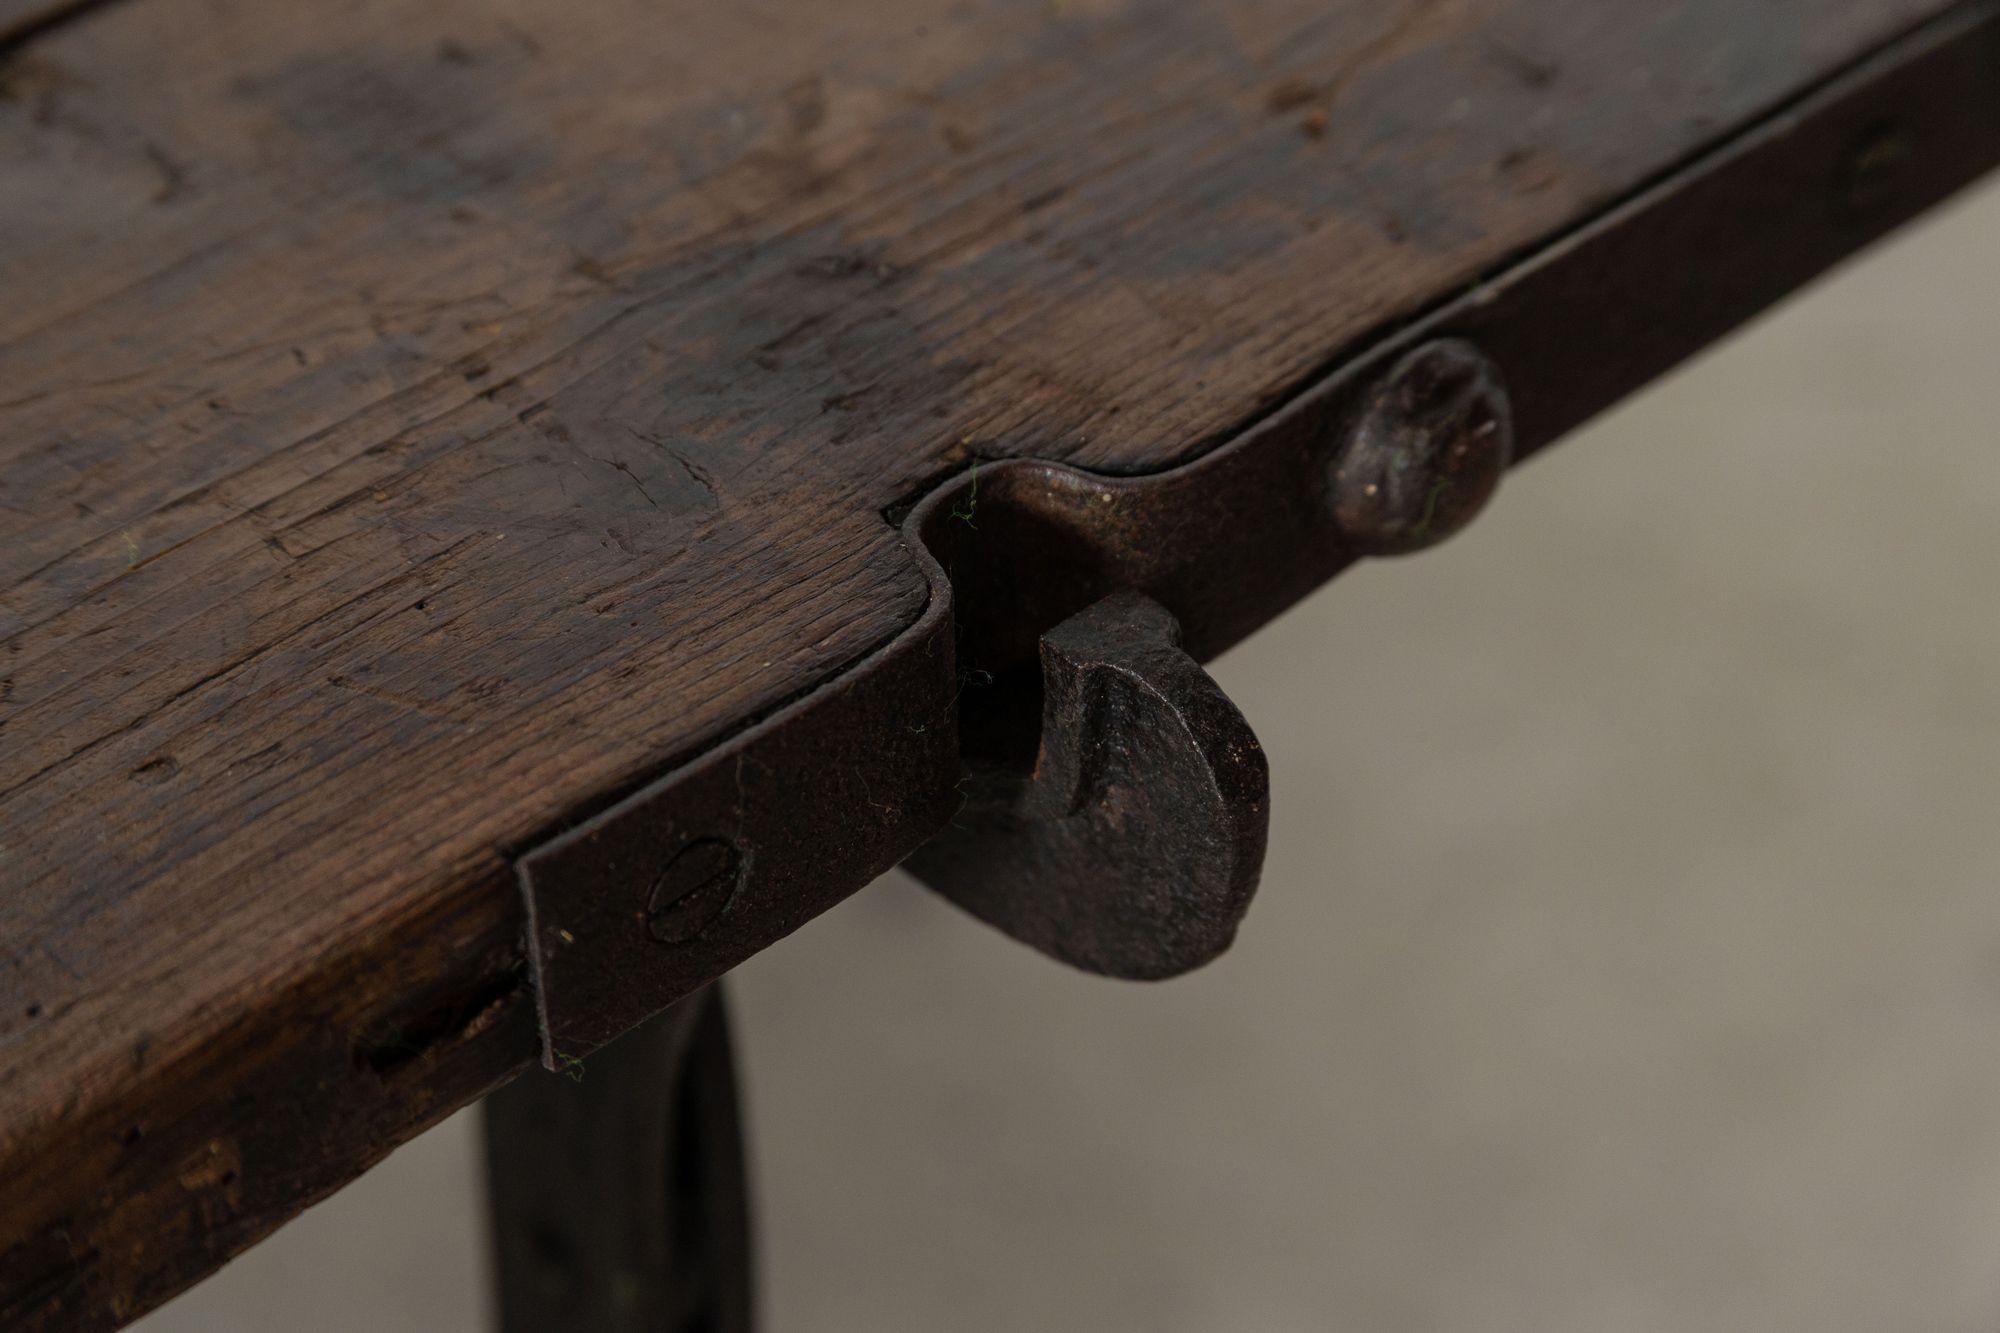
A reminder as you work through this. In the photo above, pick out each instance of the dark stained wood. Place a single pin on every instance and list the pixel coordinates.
(20, 19)
(419, 420)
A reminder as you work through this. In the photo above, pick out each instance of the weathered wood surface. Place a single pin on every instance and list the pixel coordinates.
(418, 420)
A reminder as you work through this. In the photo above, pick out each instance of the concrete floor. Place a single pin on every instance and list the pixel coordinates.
(1628, 956)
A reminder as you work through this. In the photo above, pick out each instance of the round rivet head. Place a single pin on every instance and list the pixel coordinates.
(691, 890)
(1425, 451)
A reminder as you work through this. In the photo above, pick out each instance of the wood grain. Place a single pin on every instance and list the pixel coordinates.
(417, 420)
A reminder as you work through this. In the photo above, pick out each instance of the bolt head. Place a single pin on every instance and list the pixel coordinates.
(691, 890)
(1425, 451)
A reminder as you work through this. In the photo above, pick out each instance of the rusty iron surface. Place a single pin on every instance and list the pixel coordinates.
(1131, 846)
(938, 733)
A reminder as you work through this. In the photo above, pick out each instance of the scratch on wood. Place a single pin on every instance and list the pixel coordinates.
(631, 476)
(411, 702)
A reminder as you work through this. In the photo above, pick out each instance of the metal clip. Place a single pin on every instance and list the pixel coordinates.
(1042, 733)
(1132, 847)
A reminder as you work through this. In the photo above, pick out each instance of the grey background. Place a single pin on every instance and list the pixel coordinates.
(1628, 955)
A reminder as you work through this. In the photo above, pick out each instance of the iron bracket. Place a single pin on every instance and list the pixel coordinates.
(1024, 726)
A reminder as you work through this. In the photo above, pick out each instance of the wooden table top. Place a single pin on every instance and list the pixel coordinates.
(418, 420)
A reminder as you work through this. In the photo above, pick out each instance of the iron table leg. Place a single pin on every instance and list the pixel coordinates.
(618, 1199)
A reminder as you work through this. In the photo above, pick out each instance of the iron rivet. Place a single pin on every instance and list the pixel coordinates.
(690, 892)
(1425, 452)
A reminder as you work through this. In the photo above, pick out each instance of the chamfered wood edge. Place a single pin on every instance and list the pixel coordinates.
(328, 1079)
